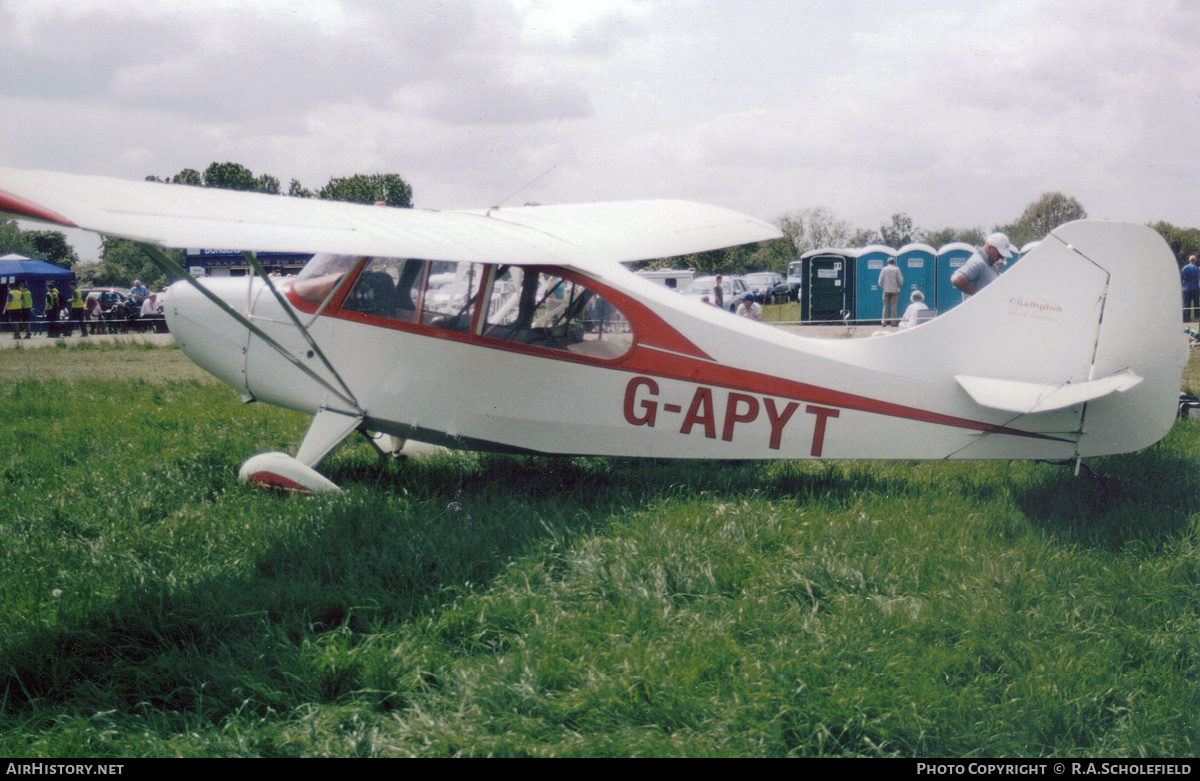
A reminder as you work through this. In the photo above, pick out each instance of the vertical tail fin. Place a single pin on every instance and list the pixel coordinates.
(1082, 336)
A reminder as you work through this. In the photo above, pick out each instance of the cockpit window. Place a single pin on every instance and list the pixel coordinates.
(531, 306)
(451, 293)
(437, 293)
(321, 274)
(526, 305)
(387, 287)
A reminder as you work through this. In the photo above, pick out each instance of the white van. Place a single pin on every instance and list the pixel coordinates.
(676, 279)
(795, 278)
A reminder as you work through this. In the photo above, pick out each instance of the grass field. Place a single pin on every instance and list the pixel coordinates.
(481, 605)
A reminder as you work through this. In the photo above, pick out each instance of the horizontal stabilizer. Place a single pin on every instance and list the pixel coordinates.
(1033, 397)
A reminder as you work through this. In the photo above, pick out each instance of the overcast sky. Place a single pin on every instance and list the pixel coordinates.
(958, 113)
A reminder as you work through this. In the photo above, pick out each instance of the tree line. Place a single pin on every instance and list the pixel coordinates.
(390, 189)
(818, 227)
(121, 261)
(51, 246)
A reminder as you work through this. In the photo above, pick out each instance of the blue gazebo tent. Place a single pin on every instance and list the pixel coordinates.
(36, 274)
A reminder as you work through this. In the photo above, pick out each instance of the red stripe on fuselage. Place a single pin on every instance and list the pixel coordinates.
(662, 365)
(662, 352)
(19, 206)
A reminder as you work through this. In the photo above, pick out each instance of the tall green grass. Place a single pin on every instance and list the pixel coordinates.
(483, 605)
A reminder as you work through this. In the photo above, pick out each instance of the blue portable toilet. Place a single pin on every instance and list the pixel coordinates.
(868, 304)
(918, 263)
(950, 258)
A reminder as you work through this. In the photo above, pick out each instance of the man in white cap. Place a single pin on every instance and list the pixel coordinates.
(980, 268)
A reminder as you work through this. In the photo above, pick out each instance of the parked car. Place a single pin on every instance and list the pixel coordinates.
(108, 296)
(766, 287)
(733, 287)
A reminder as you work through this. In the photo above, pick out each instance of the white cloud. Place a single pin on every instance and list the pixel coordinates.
(959, 114)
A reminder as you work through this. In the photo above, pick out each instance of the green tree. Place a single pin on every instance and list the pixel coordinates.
(359, 188)
(362, 188)
(297, 190)
(1184, 242)
(12, 239)
(52, 247)
(770, 256)
(901, 231)
(1042, 216)
(122, 261)
(267, 184)
(862, 237)
(814, 228)
(235, 176)
(229, 176)
(188, 176)
(972, 236)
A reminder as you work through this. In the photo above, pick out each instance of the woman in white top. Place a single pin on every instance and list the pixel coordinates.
(917, 311)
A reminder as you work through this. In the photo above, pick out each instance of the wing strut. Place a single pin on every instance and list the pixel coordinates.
(172, 268)
(312, 343)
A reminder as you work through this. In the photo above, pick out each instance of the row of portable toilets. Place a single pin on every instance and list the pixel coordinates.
(843, 284)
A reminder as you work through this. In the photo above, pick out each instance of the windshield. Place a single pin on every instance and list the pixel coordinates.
(530, 306)
(536, 307)
(321, 274)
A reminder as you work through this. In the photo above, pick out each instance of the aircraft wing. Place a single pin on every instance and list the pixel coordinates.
(580, 235)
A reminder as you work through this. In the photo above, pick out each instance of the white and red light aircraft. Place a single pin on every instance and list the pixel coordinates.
(518, 330)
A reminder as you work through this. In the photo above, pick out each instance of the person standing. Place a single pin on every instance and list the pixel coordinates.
(981, 269)
(26, 308)
(1189, 277)
(719, 294)
(891, 282)
(138, 292)
(53, 301)
(52, 305)
(12, 310)
(77, 310)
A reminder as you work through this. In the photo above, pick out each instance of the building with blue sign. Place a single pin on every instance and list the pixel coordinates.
(232, 263)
